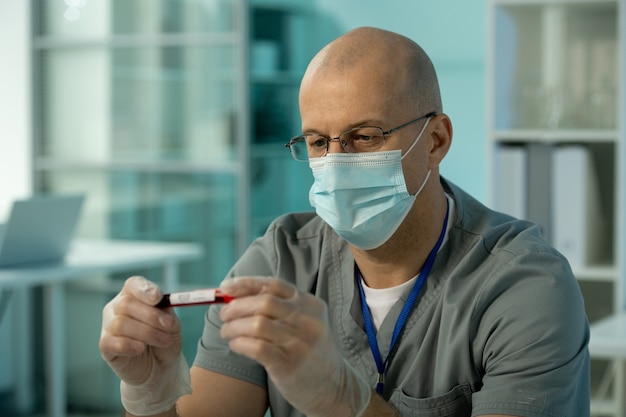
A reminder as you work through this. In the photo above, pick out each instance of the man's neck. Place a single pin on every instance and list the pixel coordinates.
(403, 256)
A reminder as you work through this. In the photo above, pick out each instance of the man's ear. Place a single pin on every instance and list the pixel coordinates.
(441, 139)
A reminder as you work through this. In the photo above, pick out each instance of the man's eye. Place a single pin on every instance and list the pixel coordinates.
(318, 143)
(363, 138)
(365, 135)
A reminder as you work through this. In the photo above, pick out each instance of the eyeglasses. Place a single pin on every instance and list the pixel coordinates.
(358, 139)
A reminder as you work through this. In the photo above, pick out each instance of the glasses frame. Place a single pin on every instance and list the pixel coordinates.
(328, 139)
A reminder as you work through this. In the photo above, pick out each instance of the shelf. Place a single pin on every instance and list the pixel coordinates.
(575, 3)
(558, 65)
(137, 41)
(608, 337)
(603, 407)
(162, 167)
(556, 136)
(597, 273)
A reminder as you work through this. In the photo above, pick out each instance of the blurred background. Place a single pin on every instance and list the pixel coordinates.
(172, 115)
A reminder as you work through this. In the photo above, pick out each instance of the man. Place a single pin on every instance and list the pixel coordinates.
(403, 296)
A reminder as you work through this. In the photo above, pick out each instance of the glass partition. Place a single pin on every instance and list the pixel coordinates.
(145, 104)
(80, 19)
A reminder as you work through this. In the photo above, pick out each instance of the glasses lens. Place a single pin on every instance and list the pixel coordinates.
(299, 150)
(363, 139)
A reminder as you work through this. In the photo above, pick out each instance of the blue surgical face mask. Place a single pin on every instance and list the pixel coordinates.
(363, 196)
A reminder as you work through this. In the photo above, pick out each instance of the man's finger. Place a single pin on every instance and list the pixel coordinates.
(143, 289)
(246, 286)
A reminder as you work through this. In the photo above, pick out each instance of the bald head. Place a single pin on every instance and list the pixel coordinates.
(396, 66)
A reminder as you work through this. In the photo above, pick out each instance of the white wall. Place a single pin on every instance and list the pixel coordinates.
(15, 177)
(15, 103)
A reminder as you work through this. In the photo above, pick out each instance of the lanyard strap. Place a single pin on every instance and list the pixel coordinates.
(404, 314)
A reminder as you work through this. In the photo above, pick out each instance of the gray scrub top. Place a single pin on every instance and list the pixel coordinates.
(499, 327)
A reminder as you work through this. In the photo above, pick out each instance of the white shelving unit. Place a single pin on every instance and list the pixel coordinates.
(557, 145)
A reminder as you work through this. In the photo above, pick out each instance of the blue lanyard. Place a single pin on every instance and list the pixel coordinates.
(404, 314)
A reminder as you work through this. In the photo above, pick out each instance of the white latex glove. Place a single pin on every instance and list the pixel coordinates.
(143, 345)
(288, 332)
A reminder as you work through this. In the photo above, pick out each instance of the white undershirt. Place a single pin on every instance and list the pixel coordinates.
(380, 300)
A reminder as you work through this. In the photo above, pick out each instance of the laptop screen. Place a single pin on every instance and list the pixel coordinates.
(39, 229)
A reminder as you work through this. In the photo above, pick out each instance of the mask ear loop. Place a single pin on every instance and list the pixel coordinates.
(410, 149)
(419, 136)
(423, 184)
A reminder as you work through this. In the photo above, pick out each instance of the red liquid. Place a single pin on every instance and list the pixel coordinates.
(193, 298)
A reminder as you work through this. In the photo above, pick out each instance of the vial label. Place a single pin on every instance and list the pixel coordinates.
(192, 297)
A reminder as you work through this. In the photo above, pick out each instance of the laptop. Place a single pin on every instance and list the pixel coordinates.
(39, 229)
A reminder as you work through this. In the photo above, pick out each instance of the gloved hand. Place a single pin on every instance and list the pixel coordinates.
(288, 332)
(143, 346)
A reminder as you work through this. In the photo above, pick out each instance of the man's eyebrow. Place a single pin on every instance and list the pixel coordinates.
(365, 122)
(311, 132)
(368, 122)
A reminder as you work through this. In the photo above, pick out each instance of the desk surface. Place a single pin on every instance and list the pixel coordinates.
(608, 337)
(96, 255)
